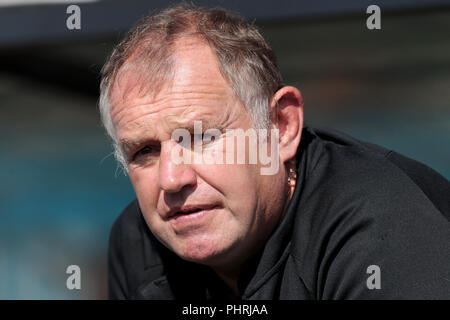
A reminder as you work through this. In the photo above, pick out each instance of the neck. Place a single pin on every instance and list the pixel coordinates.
(230, 279)
(239, 270)
(230, 275)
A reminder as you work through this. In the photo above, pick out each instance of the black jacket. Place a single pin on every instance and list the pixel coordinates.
(355, 205)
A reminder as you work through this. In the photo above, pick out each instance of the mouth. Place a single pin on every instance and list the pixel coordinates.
(190, 214)
(190, 210)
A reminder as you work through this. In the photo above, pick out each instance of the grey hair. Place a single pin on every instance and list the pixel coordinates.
(245, 59)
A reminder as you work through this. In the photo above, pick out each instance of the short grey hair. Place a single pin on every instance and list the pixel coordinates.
(245, 59)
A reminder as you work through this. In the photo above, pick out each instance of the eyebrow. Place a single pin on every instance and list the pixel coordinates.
(209, 124)
(129, 145)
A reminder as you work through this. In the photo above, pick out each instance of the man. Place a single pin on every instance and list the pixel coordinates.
(336, 219)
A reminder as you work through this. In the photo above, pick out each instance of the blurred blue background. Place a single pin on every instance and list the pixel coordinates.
(60, 187)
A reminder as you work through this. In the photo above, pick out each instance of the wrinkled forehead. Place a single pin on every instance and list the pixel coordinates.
(185, 62)
(195, 84)
(137, 79)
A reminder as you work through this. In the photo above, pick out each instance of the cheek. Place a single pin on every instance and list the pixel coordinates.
(236, 183)
(146, 187)
(147, 192)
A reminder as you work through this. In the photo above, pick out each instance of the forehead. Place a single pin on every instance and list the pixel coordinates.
(196, 91)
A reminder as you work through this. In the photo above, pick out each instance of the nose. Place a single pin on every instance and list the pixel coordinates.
(174, 176)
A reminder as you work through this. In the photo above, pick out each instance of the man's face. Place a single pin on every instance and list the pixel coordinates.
(207, 213)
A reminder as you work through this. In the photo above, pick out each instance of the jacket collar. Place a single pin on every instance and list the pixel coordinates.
(277, 248)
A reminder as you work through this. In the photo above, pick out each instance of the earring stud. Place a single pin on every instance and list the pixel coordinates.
(292, 177)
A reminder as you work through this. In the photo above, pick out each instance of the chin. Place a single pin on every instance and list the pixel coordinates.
(204, 251)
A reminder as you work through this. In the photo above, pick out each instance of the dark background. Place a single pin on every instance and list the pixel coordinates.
(60, 188)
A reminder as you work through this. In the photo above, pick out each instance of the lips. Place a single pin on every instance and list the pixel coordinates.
(188, 210)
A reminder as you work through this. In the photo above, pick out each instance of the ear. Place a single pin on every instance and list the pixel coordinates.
(287, 106)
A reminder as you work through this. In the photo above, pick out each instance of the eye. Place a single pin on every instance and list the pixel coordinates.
(203, 137)
(147, 150)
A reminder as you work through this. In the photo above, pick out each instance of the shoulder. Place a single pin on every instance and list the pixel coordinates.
(133, 253)
(129, 233)
(358, 208)
(128, 224)
(127, 218)
(349, 170)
